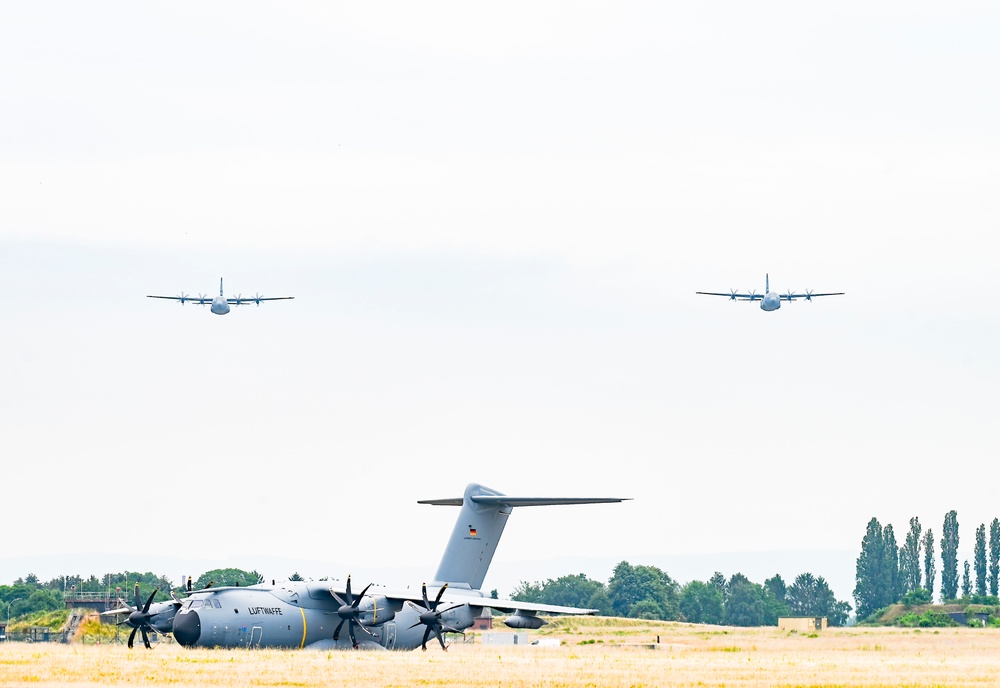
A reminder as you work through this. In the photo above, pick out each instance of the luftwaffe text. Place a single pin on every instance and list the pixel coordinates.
(265, 610)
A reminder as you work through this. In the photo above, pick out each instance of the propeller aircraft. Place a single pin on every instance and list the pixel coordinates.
(769, 301)
(315, 615)
(220, 304)
(148, 617)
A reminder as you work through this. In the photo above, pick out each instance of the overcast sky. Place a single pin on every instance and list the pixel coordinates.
(493, 219)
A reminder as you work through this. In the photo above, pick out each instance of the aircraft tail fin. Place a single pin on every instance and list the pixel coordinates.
(767, 283)
(479, 527)
(220, 287)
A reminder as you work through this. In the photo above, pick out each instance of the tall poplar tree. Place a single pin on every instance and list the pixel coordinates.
(890, 566)
(949, 557)
(966, 581)
(994, 555)
(980, 559)
(929, 561)
(870, 587)
(909, 557)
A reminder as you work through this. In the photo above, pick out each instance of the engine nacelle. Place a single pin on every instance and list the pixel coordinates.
(521, 620)
(376, 610)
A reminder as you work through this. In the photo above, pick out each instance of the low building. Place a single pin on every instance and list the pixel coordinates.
(802, 624)
(497, 638)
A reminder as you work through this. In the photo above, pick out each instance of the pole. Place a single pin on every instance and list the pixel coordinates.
(8, 608)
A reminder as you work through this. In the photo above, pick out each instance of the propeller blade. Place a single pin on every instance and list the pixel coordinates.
(357, 601)
(340, 600)
(131, 637)
(440, 636)
(423, 588)
(336, 631)
(145, 639)
(423, 643)
(145, 610)
(350, 632)
(437, 600)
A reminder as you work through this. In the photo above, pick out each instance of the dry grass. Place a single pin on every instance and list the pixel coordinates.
(595, 653)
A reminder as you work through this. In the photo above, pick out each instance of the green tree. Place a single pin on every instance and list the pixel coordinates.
(994, 556)
(629, 585)
(929, 573)
(980, 559)
(745, 605)
(870, 588)
(701, 603)
(776, 586)
(949, 557)
(890, 563)
(909, 557)
(966, 580)
(567, 591)
(226, 577)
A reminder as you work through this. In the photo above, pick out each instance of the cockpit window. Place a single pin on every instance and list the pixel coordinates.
(216, 603)
(195, 604)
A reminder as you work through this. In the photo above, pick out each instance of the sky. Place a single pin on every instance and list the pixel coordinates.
(493, 220)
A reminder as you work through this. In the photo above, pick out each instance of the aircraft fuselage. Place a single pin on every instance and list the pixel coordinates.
(220, 306)
(297, 615)
(769, 302)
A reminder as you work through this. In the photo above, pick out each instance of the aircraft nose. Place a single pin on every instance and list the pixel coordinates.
(187, 628)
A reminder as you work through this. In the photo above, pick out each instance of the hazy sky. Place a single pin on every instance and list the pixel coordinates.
(494, 219)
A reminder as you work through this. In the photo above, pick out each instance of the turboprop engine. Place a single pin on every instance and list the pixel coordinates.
(375, 610)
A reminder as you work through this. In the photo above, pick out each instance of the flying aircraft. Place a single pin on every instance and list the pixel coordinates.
(148, 617)
(769, 301)
(220, 304)
(324, 615)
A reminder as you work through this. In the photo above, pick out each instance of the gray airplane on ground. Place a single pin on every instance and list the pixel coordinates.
(220, 304)
(769, 301)
(324, 615)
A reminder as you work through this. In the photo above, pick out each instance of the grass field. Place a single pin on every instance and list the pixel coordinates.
(595, 652)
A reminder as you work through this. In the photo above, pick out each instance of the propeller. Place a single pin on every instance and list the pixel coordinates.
(809, 294)
(138, 618)
(431, 617)
(239, 299)
(732, 294)
(349, 612)
(789, 295)
(257, 298)
(183, 297)
(753, 294)
(202, 298)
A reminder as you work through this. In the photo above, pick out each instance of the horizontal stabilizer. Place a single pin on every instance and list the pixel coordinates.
(505, 500)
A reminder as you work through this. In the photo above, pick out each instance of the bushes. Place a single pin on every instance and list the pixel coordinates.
(929, 619)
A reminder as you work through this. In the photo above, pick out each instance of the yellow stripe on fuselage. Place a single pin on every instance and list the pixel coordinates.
(303, 628)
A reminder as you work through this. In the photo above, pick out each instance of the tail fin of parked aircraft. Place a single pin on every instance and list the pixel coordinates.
(767, 283)
(220, 287)
(479, 527)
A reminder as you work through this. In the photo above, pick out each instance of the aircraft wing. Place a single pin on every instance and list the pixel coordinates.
(459, 596)
(206, 301)
(809, 295)
(247, 301)
(735, 296)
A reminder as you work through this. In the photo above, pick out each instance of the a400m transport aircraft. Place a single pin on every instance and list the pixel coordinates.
(220, 304)
(769, 301)
(321, 615)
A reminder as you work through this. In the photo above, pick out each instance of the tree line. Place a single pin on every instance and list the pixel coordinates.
(887, 572)
(648, 592)
(30, 595)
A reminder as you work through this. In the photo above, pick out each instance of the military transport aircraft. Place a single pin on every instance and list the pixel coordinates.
(148, 617)
(220, 304)
(317, 614)
(769, 301)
